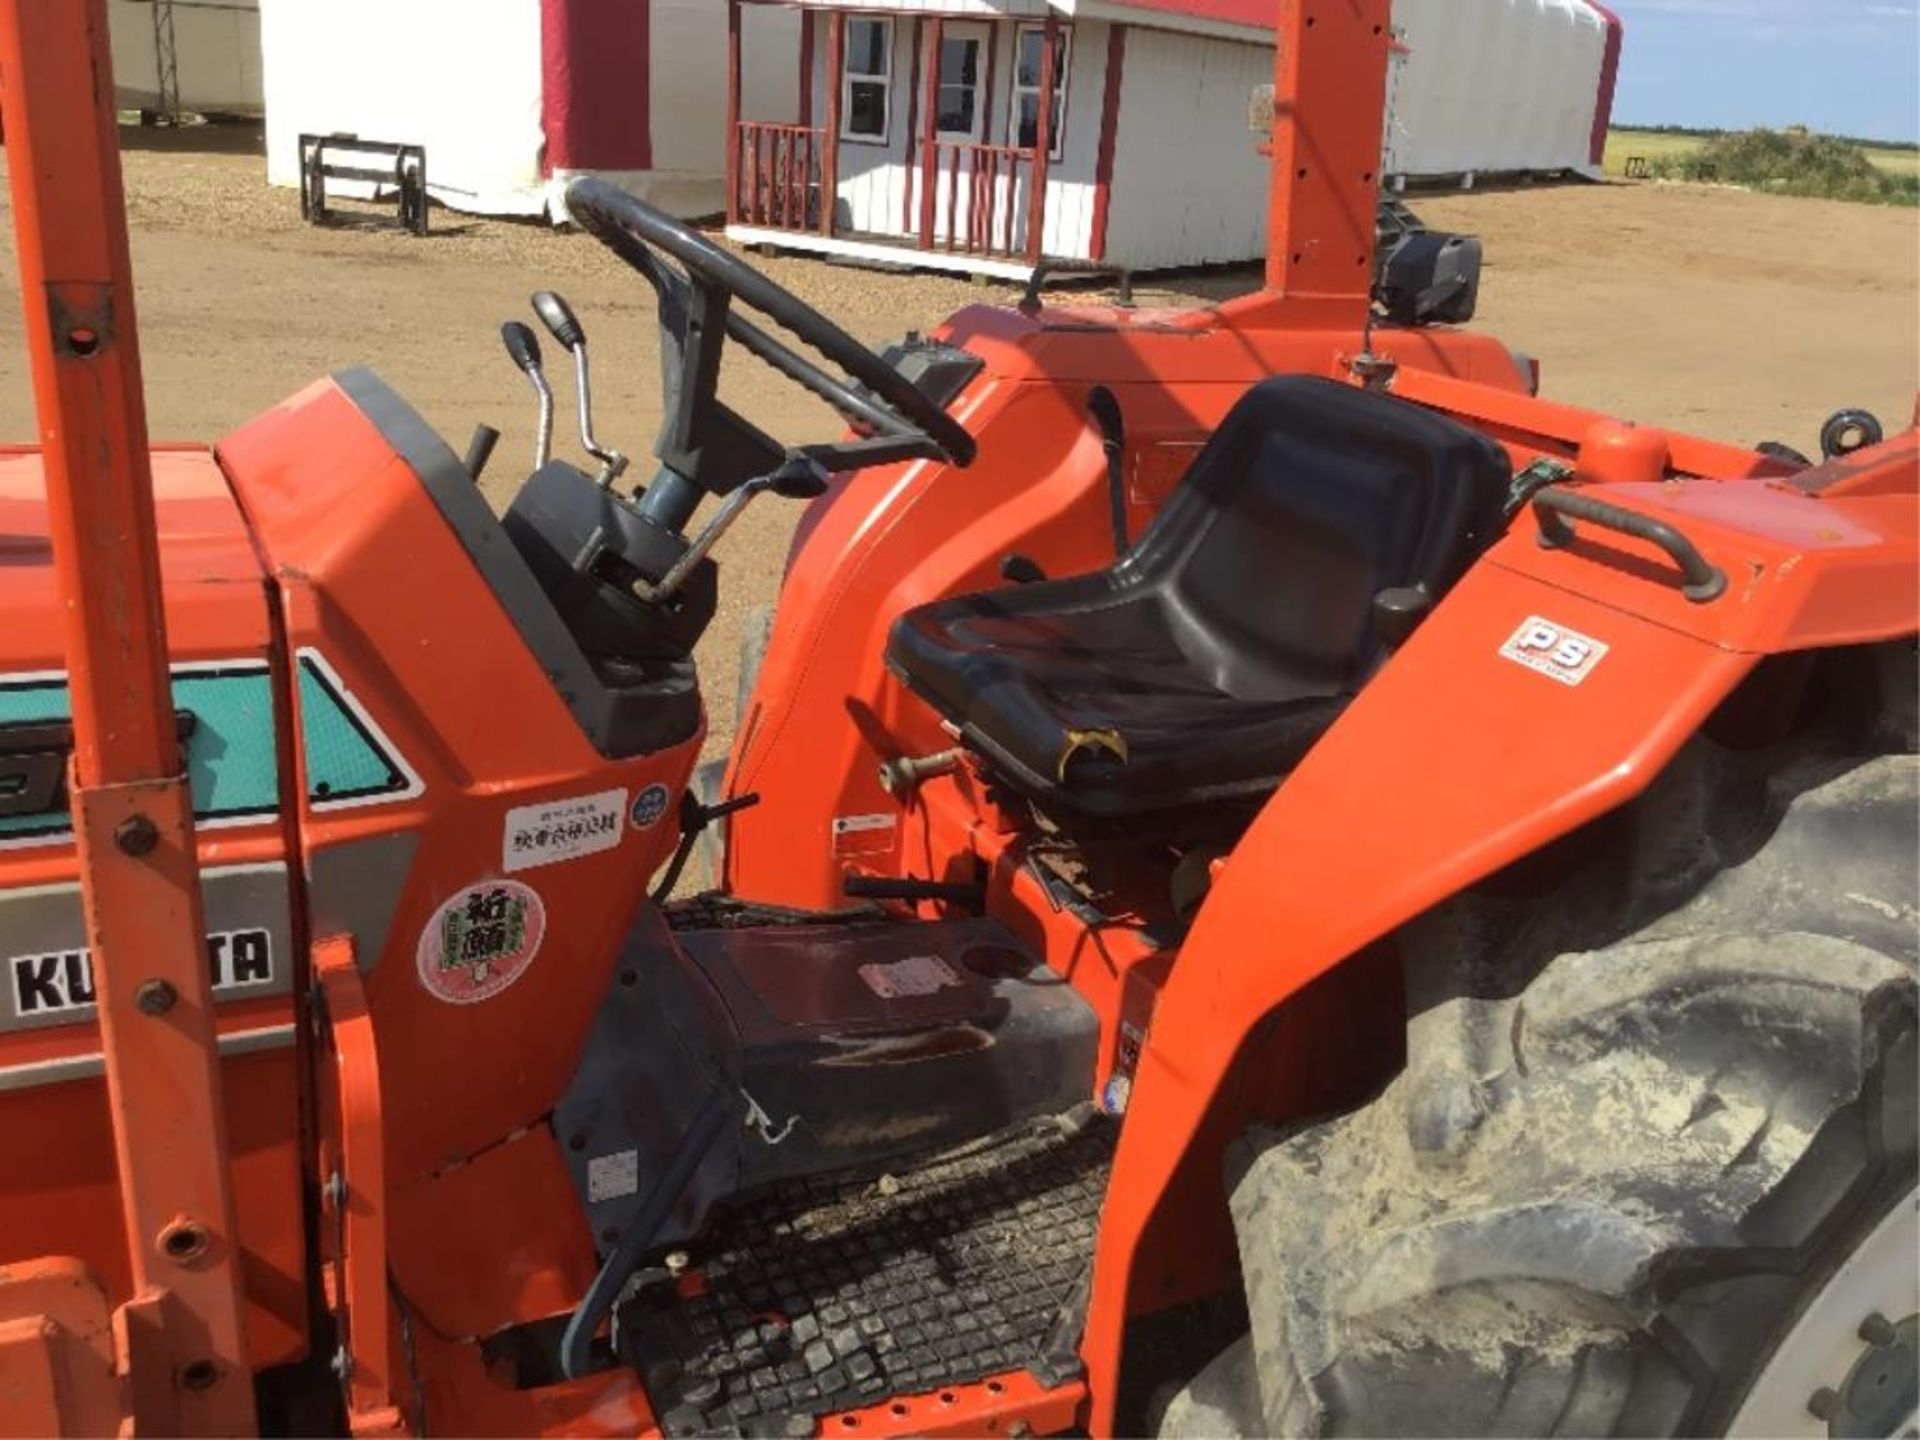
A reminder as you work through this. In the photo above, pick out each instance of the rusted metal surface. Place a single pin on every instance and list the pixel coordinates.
(133, 818)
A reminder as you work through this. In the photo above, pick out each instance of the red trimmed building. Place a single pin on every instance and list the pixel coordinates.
(924, 129)
(512, 98)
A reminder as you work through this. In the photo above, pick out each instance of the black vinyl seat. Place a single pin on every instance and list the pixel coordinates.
(1221, 647)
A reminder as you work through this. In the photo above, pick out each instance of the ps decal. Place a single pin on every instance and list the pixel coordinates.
(480, 941)
(1554, 651)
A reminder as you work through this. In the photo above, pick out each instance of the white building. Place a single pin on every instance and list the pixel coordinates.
(513, 98)
(215, 47)
(919, 122)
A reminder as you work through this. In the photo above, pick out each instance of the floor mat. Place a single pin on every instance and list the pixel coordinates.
(825, 1295)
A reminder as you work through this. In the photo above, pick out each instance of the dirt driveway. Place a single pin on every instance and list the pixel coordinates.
(1741, 316)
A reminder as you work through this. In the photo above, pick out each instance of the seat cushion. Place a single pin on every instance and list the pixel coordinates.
(1209, 659)
(1020, 685)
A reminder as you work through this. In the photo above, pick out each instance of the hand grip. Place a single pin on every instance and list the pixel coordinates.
(1556, 509)
(558, 317)
(522, 348)
(798, 479)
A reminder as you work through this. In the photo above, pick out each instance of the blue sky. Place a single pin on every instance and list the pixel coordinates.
(1849, 67)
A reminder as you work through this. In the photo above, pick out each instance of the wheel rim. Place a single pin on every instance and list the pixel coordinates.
(1847, 1367)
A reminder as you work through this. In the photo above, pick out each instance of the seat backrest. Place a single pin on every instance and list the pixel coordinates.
(1311, 498)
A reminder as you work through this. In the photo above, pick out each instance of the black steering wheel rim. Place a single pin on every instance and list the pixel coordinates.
(907, 421)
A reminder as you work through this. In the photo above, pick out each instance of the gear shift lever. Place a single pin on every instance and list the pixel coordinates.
(524, 351)
(559, 319)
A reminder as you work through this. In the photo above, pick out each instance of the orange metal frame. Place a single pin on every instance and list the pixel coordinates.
(426, 1163)
(133, 816)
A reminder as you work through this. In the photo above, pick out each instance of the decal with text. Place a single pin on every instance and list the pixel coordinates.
(1554, 650)
(62, 980)
(903, 979)
(556, 830)
(480, 941)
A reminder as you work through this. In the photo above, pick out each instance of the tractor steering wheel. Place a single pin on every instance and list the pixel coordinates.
(701, 438)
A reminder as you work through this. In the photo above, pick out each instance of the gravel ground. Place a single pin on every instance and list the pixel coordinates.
(1742, 316)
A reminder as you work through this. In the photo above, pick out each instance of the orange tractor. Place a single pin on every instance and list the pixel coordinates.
(1270, 881)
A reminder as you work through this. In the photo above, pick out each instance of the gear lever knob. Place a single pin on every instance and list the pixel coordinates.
(558, 317)
(522, 348)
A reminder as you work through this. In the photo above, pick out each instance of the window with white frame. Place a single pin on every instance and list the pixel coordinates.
(867, 80)
(1030, 48)
(957, 112)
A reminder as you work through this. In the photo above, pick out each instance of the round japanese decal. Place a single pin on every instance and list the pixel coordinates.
(481, 941)
(648, 806)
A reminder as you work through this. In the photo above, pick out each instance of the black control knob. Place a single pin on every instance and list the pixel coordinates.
(522, 348)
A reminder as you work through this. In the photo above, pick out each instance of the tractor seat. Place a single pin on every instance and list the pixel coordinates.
(1208, 660)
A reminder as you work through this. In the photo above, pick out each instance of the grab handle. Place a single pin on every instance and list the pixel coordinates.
(1557, 508)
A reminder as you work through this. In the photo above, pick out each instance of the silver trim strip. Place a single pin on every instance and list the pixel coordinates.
(90, 1066)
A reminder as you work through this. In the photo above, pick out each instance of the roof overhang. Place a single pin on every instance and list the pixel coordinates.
(1194, 17)
(1160, 16)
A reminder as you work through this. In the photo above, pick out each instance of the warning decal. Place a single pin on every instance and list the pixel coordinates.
(610, 1177)
(481, 941)
(915, 975)
(556, 830)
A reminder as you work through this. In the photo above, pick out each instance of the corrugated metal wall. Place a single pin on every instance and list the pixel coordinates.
(1493, 85)
(217, 45)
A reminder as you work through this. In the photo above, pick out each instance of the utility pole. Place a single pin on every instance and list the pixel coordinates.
(166, 63)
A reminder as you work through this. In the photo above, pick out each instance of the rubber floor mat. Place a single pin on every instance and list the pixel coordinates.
(831, 1294)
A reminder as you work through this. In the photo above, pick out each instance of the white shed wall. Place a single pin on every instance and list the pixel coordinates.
(879, 195)
(1070, 181)
(466, 82)
(1188, 186)
(468, 91)
(688, 99)
(1494, 85)
(870, 193)
(217, 47)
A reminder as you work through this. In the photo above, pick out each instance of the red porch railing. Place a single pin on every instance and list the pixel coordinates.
(981, 195)
(776, 173)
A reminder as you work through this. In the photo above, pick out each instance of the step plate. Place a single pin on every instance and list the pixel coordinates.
(825, 1295)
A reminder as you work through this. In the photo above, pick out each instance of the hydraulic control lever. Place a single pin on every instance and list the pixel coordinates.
(800, 477)
(559, 319)
(524, 351)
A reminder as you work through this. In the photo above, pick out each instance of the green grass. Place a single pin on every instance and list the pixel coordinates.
(1654, 145)
(1890, 175)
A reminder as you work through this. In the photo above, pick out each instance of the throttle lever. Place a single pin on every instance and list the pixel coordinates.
(524, 351)
(564, 326)
(558, 317)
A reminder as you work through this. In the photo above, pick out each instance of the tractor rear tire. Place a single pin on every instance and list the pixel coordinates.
(1598, 1201)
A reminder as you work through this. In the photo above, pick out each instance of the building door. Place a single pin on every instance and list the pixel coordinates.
(960, 113)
